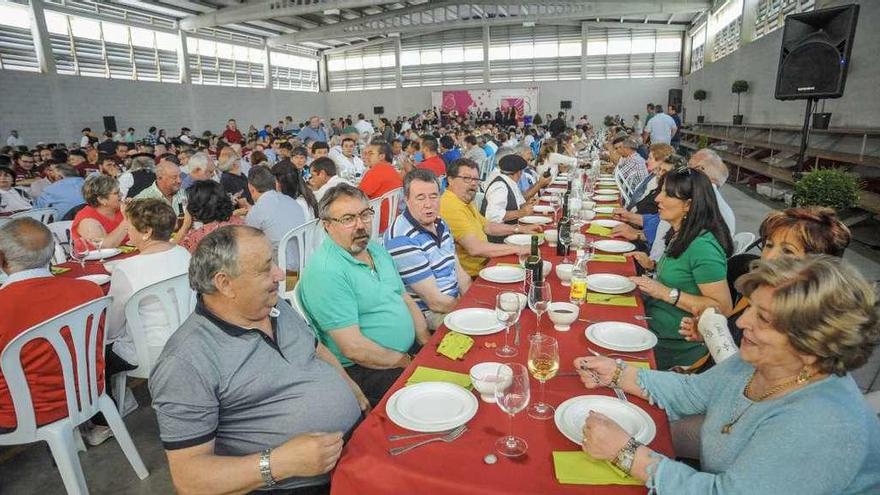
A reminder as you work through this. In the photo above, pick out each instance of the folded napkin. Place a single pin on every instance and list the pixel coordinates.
(426, 374)
(611, 300)
(597, 229)
(127, 249)
(58, 270)
(455, 345)
(577, 468)
(614, 258)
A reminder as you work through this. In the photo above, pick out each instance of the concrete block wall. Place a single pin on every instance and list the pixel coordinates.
(757, 63)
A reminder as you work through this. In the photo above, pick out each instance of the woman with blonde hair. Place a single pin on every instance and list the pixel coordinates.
(783, 415)
(549, 159)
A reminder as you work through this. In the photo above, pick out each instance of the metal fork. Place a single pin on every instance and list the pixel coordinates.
(394, 438)
(449, 437)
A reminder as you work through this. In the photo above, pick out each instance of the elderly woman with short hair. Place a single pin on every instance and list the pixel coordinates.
(783, 415)
(102, 219)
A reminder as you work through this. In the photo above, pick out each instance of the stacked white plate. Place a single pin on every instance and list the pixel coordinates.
(614, 246)
(546, 198)
(605, 197)
(607, 223)
(99, 254)
(522, 240)
(621, 336)
(535, 219)
(555, 190)
(609, 283)
(473, 321)
(542, 209)
(503, 274)
(431, 407)
(571, 415)
(604, 209)
(99, 279)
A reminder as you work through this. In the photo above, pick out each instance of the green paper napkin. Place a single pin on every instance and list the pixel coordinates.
(597, 229)
(127, 249)
(639, 364)
(58, 270)
(426, 374)
(611, 300)
(577, 468)
(455, 345)
(614, 258)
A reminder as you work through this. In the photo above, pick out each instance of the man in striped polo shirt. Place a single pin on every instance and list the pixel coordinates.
(423, 249)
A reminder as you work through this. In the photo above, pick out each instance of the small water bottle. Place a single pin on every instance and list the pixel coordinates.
(578, 292)
(716, 335)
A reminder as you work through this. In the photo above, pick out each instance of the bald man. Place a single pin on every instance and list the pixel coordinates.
(166, 186)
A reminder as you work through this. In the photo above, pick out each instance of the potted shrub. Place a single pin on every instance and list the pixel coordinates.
(700, 95)
(738, 88)
(830, 187)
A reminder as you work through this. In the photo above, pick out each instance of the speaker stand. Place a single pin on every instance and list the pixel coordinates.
(805, 138)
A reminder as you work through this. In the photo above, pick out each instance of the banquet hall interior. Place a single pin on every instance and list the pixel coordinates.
(342, 247)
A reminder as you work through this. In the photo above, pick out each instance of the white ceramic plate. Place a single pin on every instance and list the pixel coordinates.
(535, 219)
(607, 223)
(614, 246)
(621, 336)
(102, 254)
(431, 406)
(547, 198)
(607, 189)
(542, 209)
(609, 283)
(522, 240)
(503, 274)
(555, 190)
(604, 209)
(99, 279)
(110, 265)
(571, 415)
(473, 321)
(605, 197)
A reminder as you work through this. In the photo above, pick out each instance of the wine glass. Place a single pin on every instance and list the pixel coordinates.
(539, 298)
(512, 396)
(79, 250)
(564, 238)
(97, 243)
(543, 364)
(522, 257)
(507, 308)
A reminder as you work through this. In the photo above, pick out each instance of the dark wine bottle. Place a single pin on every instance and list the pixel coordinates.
(533, 262)
(564, 228)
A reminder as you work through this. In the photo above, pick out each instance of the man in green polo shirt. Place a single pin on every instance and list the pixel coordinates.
(353, 294)
(166, 187)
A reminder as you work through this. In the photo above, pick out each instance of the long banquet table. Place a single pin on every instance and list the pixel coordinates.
(367, 468)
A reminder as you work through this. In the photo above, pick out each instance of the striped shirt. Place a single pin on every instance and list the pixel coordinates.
(420, 254)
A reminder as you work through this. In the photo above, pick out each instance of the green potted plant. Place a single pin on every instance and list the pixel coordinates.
(738, 88)
(830, 187)
(700, 95)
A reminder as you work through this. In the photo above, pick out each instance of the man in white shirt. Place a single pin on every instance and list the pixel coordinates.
(504, 201)
(365, 129)
(274, 213)
(323, 176)
(14, 140)
(84, 140)
(347, 163)
(660, 128)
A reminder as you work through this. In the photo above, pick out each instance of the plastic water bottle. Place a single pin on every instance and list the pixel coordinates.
(578, 292)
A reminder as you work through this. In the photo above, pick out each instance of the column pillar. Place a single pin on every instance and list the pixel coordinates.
(42, 44)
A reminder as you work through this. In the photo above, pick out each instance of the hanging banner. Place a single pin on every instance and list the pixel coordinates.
(525, 100)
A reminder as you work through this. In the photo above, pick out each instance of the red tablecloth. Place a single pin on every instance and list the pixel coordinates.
(91, 268)
(439, 468)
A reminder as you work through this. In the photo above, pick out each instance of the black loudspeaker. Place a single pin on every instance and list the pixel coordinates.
(109, 123)
(814, 57)
(675, 96)
(565, 104)
(378, 110)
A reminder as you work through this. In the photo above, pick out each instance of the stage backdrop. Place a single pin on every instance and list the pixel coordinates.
(525, 100)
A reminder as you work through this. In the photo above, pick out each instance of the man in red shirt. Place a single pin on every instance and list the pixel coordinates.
(232, 135)
(29, 296)
(432, 160)
(380, 177)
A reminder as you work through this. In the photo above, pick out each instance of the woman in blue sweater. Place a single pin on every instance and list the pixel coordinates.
(782, 416)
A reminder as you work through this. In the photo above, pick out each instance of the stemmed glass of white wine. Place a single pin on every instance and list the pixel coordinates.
(543, 364)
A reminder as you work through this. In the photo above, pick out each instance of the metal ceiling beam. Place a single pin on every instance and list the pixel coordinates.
(266, 9)
(456, 15)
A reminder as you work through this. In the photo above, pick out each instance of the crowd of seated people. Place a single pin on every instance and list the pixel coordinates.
(216, 206)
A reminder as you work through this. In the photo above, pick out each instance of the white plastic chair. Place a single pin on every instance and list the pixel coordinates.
(45, 215)
(61, 232)
(306, 236)
(178, 301)
(742, 241)
(392, 198)
(80, 386)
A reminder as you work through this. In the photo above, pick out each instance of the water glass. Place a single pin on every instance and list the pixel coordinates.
(512, 397)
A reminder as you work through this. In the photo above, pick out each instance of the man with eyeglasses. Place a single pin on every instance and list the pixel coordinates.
(355, 298)
(469, 228)
(423, 249)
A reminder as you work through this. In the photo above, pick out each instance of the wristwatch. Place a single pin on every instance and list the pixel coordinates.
(626, 455)
(265, 469)
(674, 295)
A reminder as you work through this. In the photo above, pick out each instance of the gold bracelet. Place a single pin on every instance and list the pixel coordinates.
(615, 379)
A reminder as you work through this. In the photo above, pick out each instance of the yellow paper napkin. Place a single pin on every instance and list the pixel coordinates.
(639, 364)
(611, 300)
(58, 270)
(597, 229)
(426, 374)
(455, 345)
(127, 249)
(614, 258)
(577, 468)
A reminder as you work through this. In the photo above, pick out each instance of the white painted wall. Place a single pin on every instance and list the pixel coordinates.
(51, 108)
(757, 63)
(594, 97)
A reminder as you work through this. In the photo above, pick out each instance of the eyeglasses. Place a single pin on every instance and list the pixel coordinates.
(348, 221)
(468, 180)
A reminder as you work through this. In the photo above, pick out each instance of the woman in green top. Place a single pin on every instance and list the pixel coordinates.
(692, 273)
